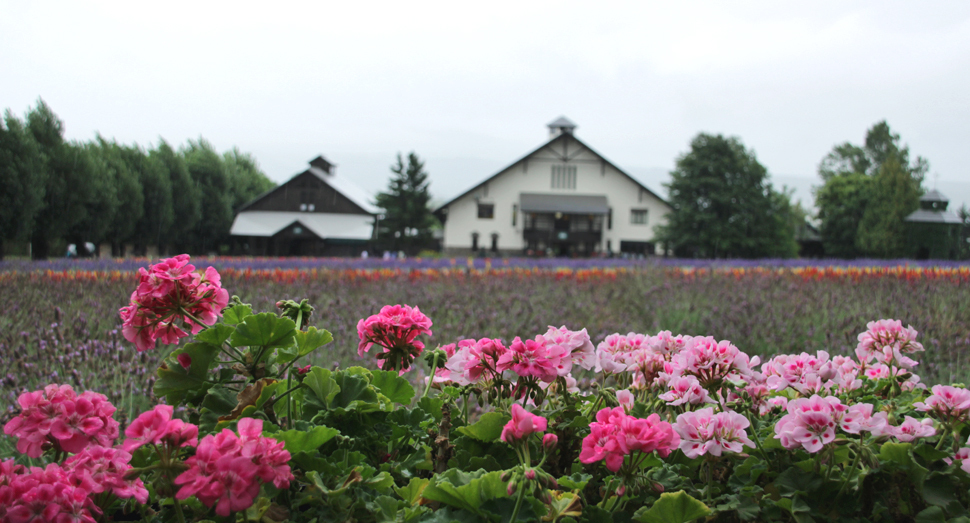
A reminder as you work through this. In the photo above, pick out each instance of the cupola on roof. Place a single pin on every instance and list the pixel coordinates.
(561, 125)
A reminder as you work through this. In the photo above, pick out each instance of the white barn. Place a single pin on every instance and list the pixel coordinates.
(563, 198)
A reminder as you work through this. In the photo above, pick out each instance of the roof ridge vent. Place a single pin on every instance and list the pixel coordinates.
(561, 125)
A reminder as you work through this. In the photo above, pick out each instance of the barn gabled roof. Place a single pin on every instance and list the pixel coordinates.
(341, 184)
(558, 138)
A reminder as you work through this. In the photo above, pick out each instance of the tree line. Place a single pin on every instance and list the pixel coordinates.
(724, 206)
(58, 192)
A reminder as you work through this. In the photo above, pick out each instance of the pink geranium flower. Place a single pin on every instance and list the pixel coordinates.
(535, 358)
(226, 470)
(474, 361)
(394, 330)
(56, 416)
(615, 435)
(912, 429)
(102, 469)
(171, 296)
(576, 345)
(685, 390)
(522, 425)
(156, 427)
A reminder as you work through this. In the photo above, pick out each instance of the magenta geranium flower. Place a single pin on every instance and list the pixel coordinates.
(615, 435)
(57, 417)
(171, 296)
(394, 329)
(522, 425)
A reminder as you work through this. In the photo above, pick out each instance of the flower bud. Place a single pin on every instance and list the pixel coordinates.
(530, 474)
(184, 360)
(303, 370)
(621, 490)
(511, 489)
(658, 488)
(549, 442)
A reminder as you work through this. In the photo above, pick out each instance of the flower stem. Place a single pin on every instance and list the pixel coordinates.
(434, 367)
(518, 505)
(178, 510)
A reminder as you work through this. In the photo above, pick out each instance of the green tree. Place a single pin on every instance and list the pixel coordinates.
(724, 206)
(210, 176)
(848, 172)
(71, 183)
(894, 195)
(157, 216)
(186, 199)
(23, 176)
(246, 180)
(407, 221)
(114, 212)
(841, 205)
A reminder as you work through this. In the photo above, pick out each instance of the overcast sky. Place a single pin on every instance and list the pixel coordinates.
(470, 86)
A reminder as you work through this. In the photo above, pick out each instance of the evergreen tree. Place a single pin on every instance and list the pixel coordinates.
(23, 178)
(723, 205)
(246, 180)
(209, 175)
(407, 221)
(186, 199)
(841, 205)
(156, 221)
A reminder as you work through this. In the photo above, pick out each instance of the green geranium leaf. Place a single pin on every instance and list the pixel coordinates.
(299, 441)
(354, 390)
(264, 330)
(897, 453)
(577, 481)
(677, 507)
(379, 482)
(390, 384)
(306, 342)
(319, 381)
(215, 335)
(797, 481)
(940, 490)
(174, 380)
(488, 428)
(412, 492)
(236, 314)
(466, 490)
(931, 515)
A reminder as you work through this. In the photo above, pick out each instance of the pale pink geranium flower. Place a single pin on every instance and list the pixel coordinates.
(394, 330)
(625, 398)
(963, 456)
(474, 361)
(685, 390)
(522, 425)
(887, 342)
(949, 404)
(712, 361)
(576, 344)
(803, 372)
(912, 429)
(171, 295)
(614, 354)
(703, 432)
(810, 423)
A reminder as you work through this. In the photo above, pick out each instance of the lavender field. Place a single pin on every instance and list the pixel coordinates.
(60, 323)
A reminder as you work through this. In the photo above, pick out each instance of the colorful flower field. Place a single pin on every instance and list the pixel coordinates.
(562, 390)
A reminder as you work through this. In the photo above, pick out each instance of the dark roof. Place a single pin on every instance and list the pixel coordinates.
(323, 171)
(562, 121)
(541, 147)
(934, 196)
(571, 203)
(931, 216)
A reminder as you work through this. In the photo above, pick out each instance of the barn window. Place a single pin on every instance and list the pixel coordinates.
(486, 210)
(638, 216)
(564, 177)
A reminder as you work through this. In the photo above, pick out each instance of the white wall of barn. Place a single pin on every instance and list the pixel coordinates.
(534, 175)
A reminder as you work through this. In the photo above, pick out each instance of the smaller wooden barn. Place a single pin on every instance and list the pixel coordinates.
(934, 231)
(315, 213)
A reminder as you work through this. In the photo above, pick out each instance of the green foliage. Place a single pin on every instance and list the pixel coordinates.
(677, 507)
(723, 205)
(868, 191)
(23, 176)
(210, 175)
(246, 180)
(408, 219)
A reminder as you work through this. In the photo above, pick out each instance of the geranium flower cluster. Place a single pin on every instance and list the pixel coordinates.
(156, 427)
(887, 342)
(544, 358)
(639, 353)
(56, 417)
(102, 469)
(811, 422)
(171, 293)
(522, 425)
(43, 495)
(227, 470)
(711, 362)
(394, 329)
(703, 432)
(615, 434)
(949, 404)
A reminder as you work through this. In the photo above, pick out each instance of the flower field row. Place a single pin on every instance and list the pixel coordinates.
(545, 423)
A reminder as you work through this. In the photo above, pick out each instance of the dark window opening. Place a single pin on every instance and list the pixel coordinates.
(474, 241)
(609, 220)
(486, 210)
(494, 242)
(515, 213)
